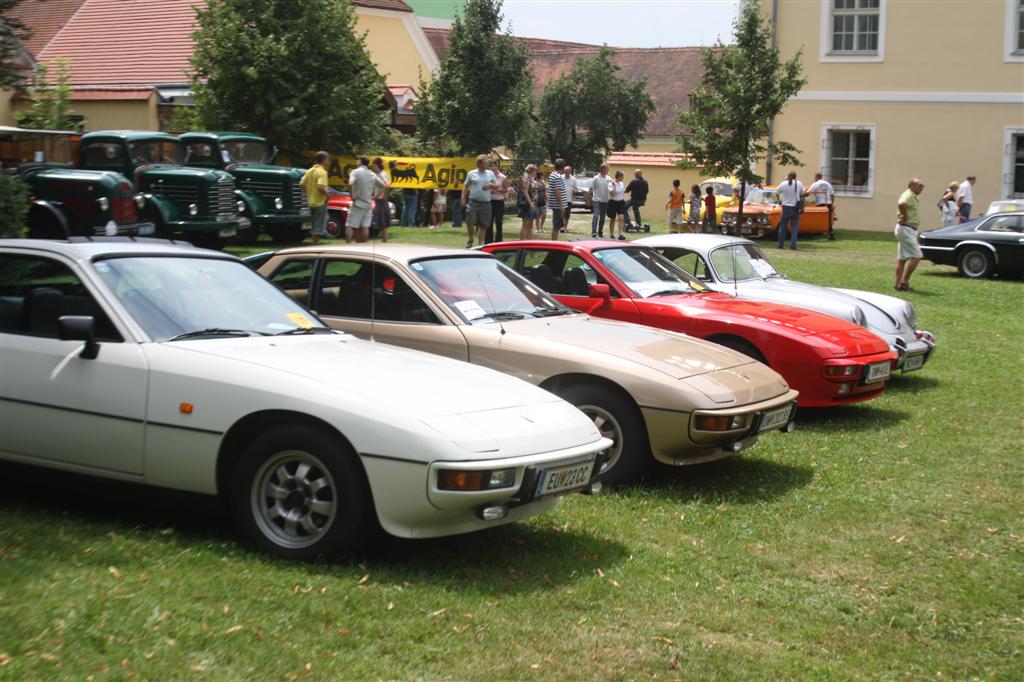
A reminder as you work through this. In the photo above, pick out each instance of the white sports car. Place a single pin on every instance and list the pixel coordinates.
(174, 366)
(738, 266)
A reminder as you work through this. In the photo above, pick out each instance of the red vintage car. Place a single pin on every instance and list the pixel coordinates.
(829, 360)
(338, 204)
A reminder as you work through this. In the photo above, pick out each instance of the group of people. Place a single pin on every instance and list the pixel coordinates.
(369, 185)
(955, 204)
(693, 221)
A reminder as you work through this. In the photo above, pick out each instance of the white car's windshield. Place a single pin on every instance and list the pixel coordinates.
(738, 262)
(176, 297)
(763, 198)
(483, 290)
(647, 272)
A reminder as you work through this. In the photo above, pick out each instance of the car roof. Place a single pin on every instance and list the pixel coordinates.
(692, 241)
(89, 248)
(402, 253)
(582, 244)
(129, 135)
(222, 135)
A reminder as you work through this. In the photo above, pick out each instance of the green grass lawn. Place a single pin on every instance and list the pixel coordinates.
(884, 540)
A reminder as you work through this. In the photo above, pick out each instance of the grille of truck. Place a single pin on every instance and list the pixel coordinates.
(299, 202)
(267, 190)
(222, 197)
(180, 194)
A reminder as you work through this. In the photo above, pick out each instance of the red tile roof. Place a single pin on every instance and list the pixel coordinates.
(671, 72)
(130, 42)
(395, 5)
(45, 18)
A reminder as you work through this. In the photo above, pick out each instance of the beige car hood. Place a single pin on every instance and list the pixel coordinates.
(677, 355)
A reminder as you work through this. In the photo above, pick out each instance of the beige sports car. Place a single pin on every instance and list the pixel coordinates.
(652, 392)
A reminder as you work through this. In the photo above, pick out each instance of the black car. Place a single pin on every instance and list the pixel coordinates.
(979, 248)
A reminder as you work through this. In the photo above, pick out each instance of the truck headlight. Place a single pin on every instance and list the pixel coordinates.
(140, 201)
(278, 203)
(103, 203)
(193, 210)
(241, 206)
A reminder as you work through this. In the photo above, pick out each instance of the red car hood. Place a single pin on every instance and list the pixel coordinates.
(856, 340)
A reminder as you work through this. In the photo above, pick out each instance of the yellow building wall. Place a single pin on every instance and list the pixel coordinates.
(114, 114)
(929, 46)
(939, 143)
(392, 50)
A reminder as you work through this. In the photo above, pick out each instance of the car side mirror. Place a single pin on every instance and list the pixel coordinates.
(601, 291)
(80, 328)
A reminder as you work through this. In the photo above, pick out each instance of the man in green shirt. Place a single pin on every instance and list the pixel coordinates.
(908, 252)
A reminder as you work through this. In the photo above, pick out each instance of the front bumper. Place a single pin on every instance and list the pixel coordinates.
(409, 506)
(918, 351)
(675, 441)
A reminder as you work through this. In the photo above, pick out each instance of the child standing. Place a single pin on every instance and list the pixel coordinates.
(709, 223)
(675, 208)
(694, 218)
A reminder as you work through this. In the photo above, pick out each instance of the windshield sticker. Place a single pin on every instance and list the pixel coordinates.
(300, 320)
(470, 309)
(102, 267)
(763, 267)
(417, 267)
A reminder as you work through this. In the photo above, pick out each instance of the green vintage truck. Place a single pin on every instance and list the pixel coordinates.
(199, 205)
(274, 200)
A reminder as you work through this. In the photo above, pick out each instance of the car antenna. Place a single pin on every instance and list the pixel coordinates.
(488, 295)
(735, 281)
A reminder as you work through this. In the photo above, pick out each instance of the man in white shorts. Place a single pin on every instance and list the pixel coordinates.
(908, 251)
(361, 182)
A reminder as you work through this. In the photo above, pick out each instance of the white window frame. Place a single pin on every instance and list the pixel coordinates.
(1009, 151)
(1012, 26)
(825, 160)
(825, 53)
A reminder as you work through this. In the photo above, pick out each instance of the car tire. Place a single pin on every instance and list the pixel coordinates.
(975, 262)
(316, 483)
(740, 346)
(618, 420)
(335, 225)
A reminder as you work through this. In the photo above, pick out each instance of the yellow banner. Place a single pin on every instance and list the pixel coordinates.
(405, 172)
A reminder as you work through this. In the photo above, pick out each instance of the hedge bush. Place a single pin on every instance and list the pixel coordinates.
(13, 206)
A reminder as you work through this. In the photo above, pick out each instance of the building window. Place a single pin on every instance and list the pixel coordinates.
(855, 25)
(848, 158)
(1014, 33)
(1013, 164)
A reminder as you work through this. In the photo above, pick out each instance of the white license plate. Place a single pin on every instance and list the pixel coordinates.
(227, 233)
(563, 479)
(878, 371)
(913, 362)
(146, 228)
(776, 418)
(307, 226)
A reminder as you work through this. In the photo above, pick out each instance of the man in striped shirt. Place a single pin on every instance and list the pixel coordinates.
(558, 199)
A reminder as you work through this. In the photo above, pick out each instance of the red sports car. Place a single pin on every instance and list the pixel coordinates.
(829, 360)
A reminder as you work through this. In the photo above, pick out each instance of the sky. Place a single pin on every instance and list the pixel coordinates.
(624, 23)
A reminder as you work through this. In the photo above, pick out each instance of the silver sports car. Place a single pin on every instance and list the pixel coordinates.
(738, 266)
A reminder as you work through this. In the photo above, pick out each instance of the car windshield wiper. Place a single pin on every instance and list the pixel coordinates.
(216, 331)
(305, 330)
(551, 312)
(504, 315)
(670, 292)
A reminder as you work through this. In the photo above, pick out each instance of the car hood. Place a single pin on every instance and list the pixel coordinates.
(405, 380)
(171, 172)
(845, 337)
(676, 355)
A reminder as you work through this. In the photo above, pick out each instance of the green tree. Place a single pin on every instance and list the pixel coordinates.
(49, 103)
(589, 112)
(13, 206)
(480, 97)
(12, 32)
(294, 71)
(743, 88)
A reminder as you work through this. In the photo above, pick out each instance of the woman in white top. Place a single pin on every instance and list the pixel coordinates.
(438, 208)
(616, 204)
(947, 205)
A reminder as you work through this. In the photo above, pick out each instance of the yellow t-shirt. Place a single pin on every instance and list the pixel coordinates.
(316, 175)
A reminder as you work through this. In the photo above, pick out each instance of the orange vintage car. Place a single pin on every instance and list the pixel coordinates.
(762, 211)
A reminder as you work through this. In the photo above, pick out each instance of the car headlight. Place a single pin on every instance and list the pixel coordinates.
(278, 203)
(762, 219)
(454, 479)
(103, 203)
(859, 317)
(841, 370)
(711, 422)
(193, 210)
